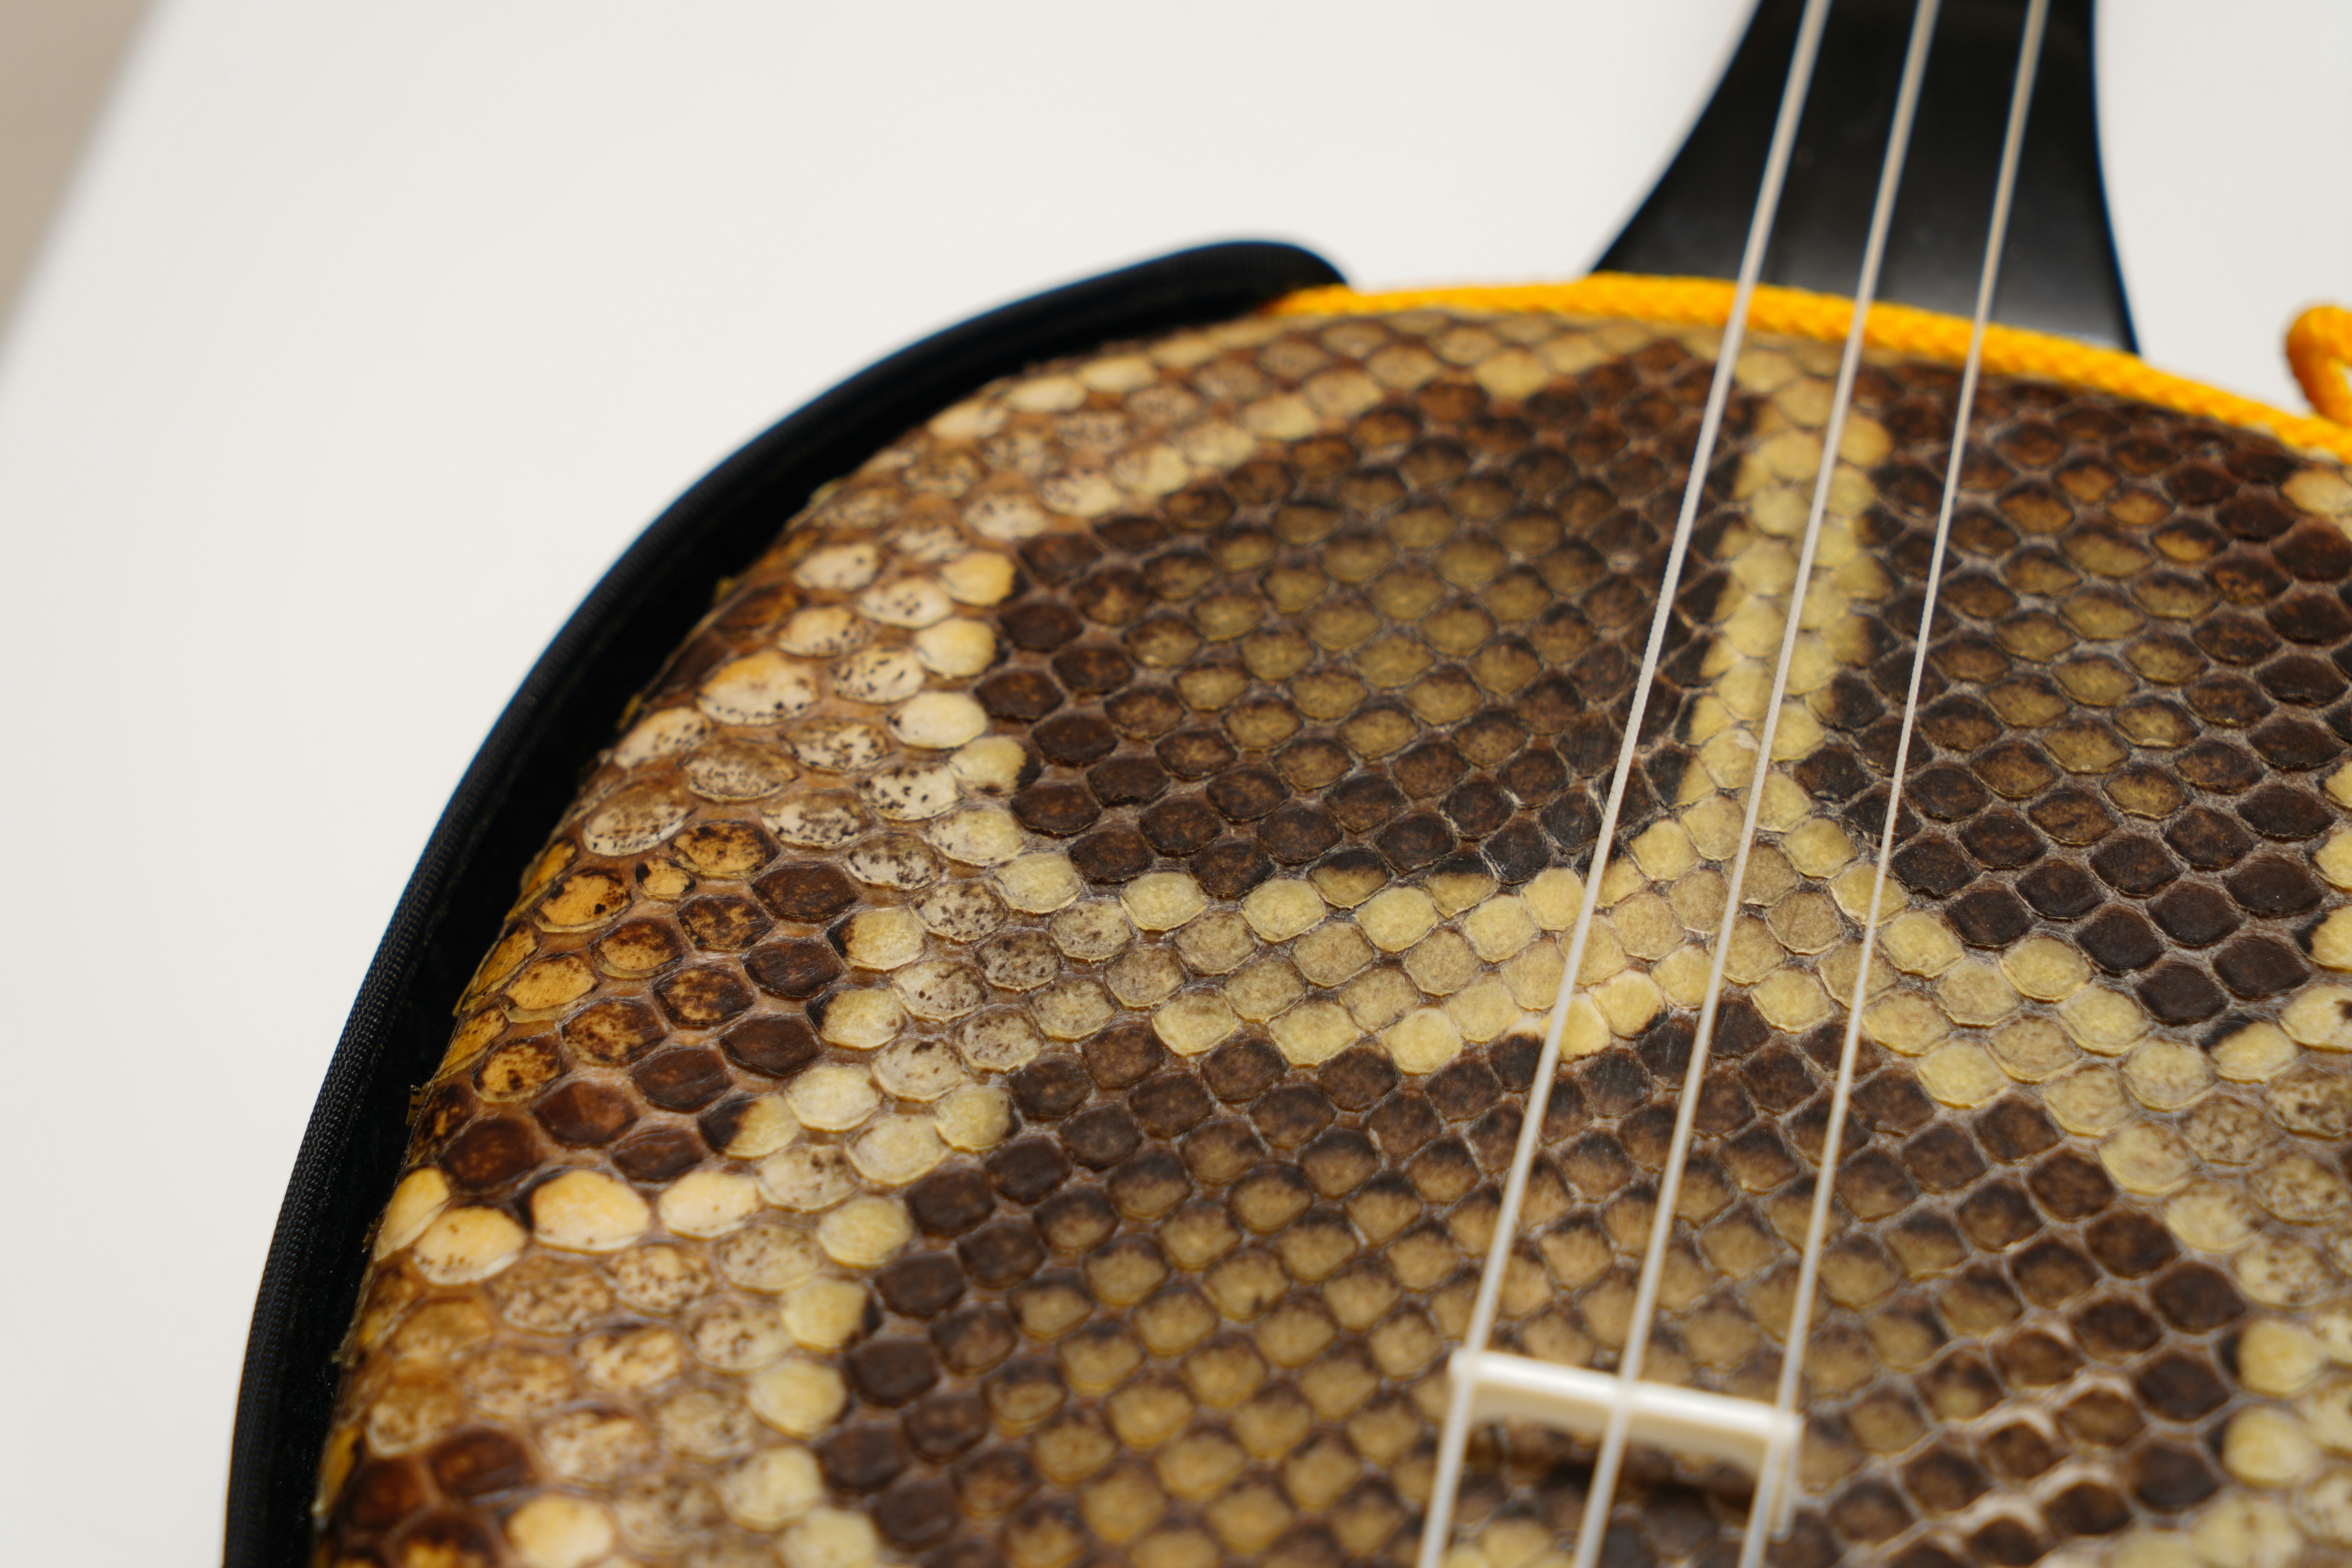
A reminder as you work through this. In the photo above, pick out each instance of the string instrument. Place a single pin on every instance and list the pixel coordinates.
(1666, 919)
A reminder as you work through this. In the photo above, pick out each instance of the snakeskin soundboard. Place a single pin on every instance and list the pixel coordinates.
(1009, 1058)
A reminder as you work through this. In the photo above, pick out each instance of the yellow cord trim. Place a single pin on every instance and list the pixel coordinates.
(1899, 329)
(2319, 347)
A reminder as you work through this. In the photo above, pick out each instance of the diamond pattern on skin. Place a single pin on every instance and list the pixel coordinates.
(1011, 1055)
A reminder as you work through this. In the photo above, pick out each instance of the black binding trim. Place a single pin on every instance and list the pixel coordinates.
(521, 780)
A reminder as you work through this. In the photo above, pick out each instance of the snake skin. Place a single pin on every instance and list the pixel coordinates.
(1009, 1058)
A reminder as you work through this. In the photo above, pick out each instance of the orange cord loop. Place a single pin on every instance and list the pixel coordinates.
(1900, 329)
(2319, 348)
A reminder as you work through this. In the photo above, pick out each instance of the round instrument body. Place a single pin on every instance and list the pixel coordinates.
(1009, 1055)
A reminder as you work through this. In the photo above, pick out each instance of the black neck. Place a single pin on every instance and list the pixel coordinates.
(2059, 273)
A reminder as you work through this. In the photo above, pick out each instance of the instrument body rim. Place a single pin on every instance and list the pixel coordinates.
(519, 783)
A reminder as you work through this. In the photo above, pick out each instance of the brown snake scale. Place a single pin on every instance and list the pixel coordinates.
(1008, 1058)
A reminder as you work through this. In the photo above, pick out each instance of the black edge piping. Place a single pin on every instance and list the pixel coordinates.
(520, 783)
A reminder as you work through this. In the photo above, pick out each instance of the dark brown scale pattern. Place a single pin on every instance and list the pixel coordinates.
(2128, 682)
(2088, 766)
(1205, 1299)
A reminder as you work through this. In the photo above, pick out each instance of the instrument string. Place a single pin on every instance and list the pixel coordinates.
(1608, 1464)
(1775, 1490)
(1454, 1439)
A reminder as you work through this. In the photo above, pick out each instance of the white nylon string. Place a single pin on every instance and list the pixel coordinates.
(1775, 1487)
(1607, 1466)
(1438, 1527)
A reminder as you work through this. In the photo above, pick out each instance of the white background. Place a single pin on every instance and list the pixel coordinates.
(372, 334)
